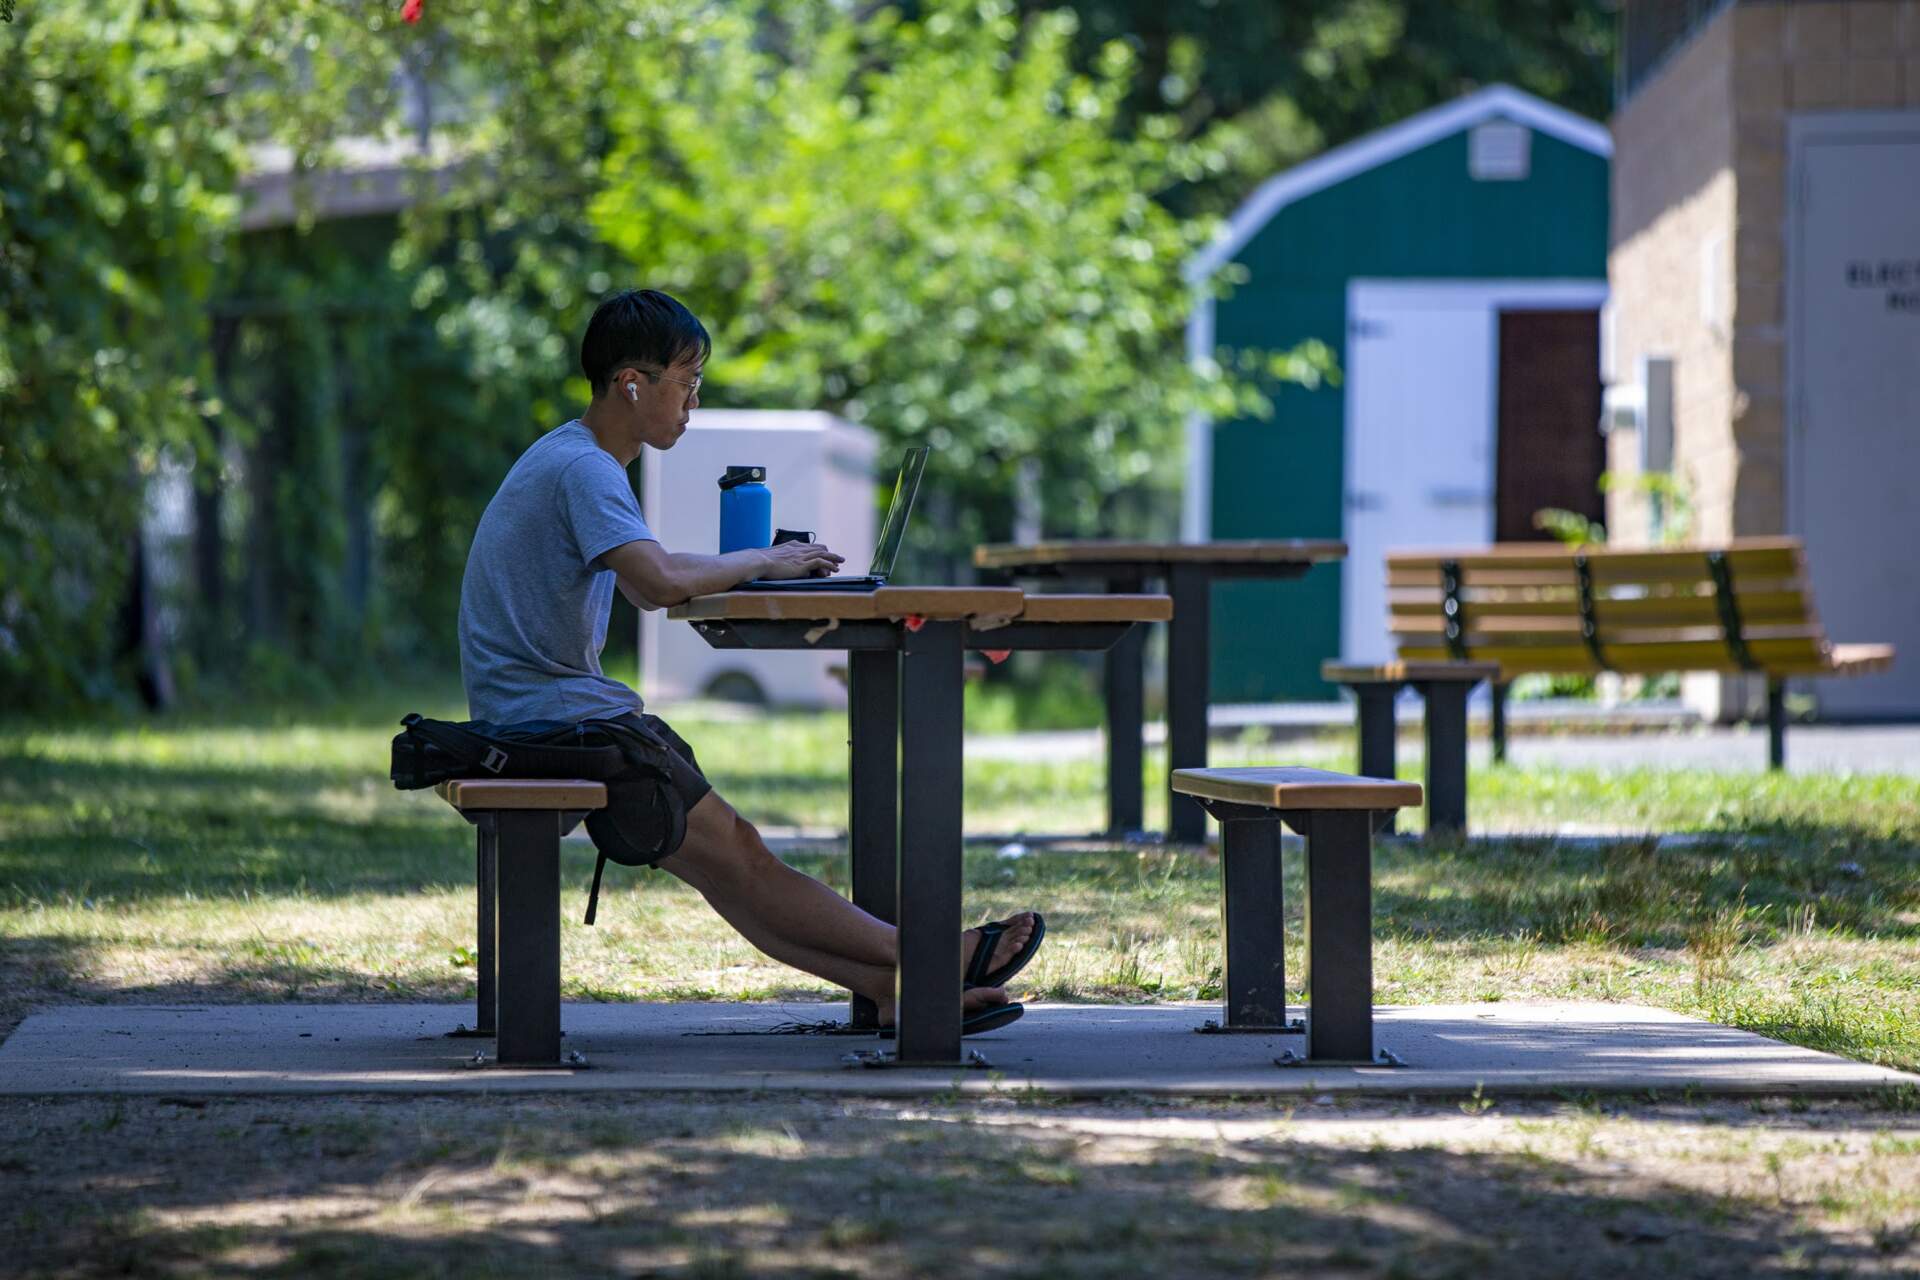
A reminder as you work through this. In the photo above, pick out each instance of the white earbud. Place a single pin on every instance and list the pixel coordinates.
(633, 393)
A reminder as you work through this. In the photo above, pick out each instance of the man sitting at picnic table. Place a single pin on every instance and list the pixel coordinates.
(561, 533)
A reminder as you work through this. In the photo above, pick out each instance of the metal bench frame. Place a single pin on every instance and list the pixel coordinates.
(1339, 920)
(517, 924)
(1443, 690)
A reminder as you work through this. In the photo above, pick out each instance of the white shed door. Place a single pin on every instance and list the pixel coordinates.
(1855, 435)
(1419, 441)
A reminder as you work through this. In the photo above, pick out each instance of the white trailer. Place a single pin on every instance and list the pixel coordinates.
(822, 471)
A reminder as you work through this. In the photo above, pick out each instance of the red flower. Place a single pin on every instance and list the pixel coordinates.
(410, 11)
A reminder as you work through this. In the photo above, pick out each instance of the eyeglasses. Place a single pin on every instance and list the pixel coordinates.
(693, 388)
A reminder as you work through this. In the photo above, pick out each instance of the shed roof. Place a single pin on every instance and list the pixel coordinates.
(1498, 101)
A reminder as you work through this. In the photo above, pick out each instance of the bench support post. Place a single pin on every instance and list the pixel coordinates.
(1499, 721)
(529, 948)
(1776, 723)
(1378, 733)
(1187, 692)
(486, 926)
(1446, 721)
(1339, 933)
(1126, 710)
(873, 829)
(1253, 918)
(927, 983)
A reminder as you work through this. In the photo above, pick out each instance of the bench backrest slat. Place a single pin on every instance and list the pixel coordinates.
(1552, 631)
(1546, 608)
(1412, 610)
(1787, 655)
(1748, 555)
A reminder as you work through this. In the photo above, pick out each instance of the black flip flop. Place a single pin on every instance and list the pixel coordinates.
(978, 975)
(991, 1018)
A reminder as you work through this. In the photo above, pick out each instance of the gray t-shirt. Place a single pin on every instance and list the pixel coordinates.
(536, 598)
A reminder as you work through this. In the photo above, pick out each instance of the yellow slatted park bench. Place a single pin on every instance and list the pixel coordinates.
(1743, 607)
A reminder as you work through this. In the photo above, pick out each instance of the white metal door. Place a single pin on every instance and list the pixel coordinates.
(1419, 441)
(1855, 391)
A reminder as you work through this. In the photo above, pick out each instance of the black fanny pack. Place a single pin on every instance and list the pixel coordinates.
(634, 765)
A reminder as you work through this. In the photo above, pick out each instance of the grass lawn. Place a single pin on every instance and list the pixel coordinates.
(239, 859)
(253, 858)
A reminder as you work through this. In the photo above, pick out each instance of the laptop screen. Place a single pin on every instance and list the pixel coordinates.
(894, 531)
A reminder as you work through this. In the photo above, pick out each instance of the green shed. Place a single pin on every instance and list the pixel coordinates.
(1456, 264)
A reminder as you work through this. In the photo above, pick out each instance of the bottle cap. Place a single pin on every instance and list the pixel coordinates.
(742, 475)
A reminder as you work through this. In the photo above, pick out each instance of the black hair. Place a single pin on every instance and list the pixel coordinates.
(639, 327)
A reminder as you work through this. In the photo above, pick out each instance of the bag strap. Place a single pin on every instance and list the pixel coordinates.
(635, 748)
(493, 754)
(451, 738)
(593, 894)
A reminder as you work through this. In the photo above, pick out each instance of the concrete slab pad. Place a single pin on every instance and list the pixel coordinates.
(1080, 1050)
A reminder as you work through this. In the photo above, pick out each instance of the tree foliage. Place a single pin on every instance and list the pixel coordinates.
(932, 227)
(373, 385)
(111, 205)
(1271, 84)
(949, 220)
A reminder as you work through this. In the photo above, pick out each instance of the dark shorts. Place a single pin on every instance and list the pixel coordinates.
(684, 776)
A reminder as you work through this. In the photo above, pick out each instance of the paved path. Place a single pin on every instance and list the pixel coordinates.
(1067, 1050)
(1645, 738)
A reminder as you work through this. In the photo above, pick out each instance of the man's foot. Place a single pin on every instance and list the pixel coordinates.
(973, 1000)
(1018, 938)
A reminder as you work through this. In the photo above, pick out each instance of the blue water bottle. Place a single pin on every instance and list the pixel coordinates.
(746, 509)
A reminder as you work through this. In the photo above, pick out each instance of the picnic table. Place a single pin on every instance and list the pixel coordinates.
(1188, 570)
(906, 649)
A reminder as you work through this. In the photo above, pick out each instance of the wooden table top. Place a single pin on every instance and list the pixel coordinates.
(1097, 608)
(1006, 555)
(940, 604)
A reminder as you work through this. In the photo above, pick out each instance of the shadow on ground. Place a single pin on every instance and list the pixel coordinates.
(803, 1188)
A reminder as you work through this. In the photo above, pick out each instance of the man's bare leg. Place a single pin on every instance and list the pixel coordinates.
(791, 916)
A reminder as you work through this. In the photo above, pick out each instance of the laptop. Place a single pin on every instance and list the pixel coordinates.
(892, 533)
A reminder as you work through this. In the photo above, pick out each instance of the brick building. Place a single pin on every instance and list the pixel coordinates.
(1762, 340)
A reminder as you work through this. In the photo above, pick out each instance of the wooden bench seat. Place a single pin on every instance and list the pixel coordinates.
(517, 889)
(492, 794)
(1744, 607)
(1336, 812)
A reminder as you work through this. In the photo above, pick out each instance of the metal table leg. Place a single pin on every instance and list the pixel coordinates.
(1776, 723)
(1187, 692)
(1126, 704)
(1446, 755)
(529, 1004)
(1339, 934)
(1379, 748)
(927, 1011)
(873, 831)
(1498, 719)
